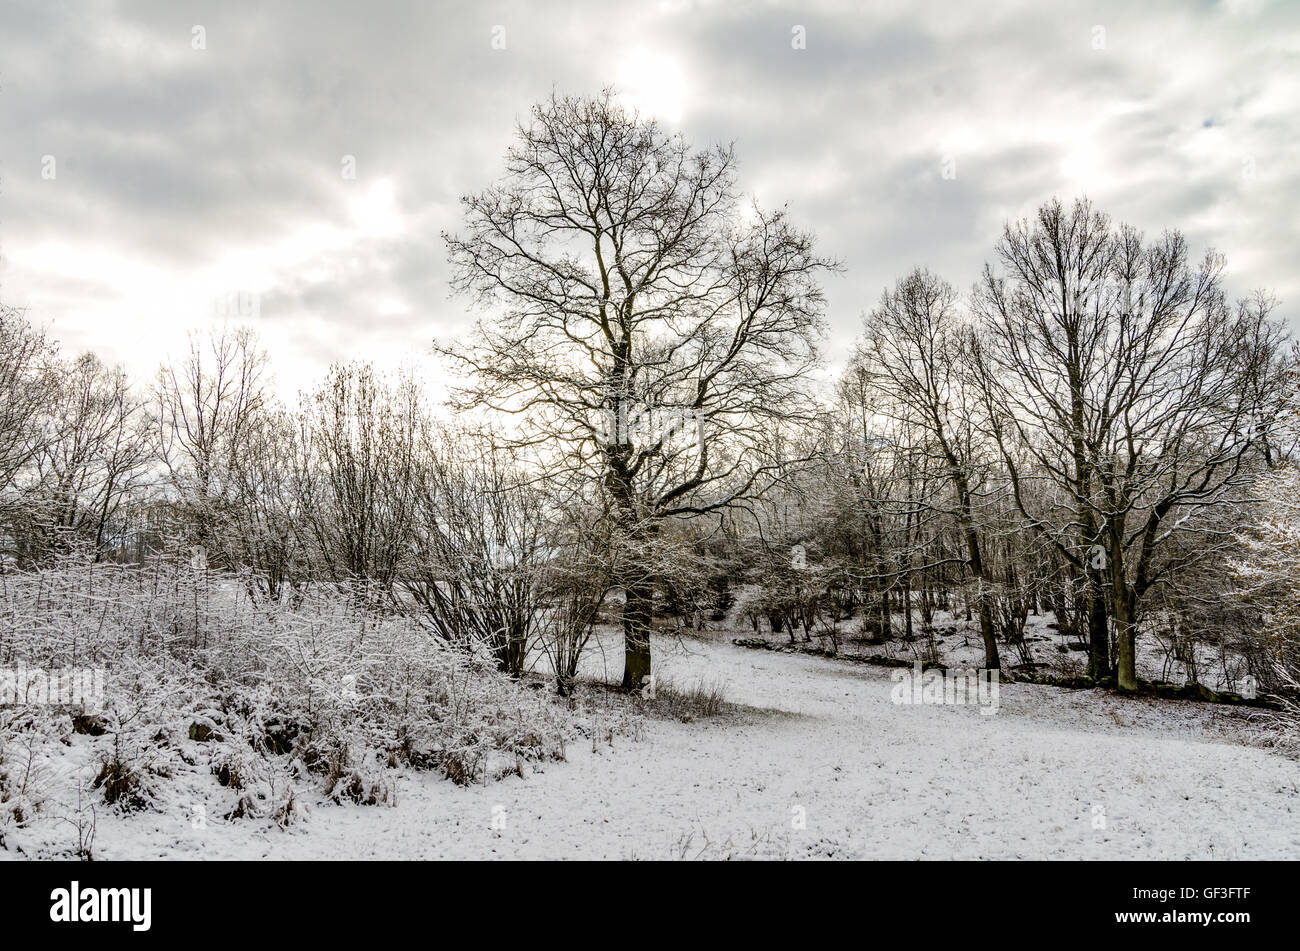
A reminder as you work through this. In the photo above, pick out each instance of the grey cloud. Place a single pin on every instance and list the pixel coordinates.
(175, 158)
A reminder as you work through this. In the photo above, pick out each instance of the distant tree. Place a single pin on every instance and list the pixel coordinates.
(917, 347)
(1267, 572)
(356, 473)
(96, 453)
(205, 408)
(27, 383)
(265, 530)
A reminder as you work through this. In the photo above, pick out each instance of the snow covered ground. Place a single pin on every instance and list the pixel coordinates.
(958, 644)
(819, 762)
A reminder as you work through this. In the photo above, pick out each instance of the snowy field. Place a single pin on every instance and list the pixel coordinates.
(817, 761)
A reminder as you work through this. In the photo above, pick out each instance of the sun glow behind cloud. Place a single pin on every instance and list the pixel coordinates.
(1081, 165)
(653, 83)
(132, 309)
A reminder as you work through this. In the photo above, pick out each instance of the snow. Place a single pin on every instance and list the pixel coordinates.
(821, 741)
(959, 646)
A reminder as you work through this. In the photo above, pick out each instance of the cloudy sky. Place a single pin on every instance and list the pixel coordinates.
(165, 162)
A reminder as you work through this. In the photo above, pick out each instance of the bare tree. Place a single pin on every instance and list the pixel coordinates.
(643, 328)
(917, 348)
(27, 380)
(263, 531)
(356, 472)
(479, 547)
(1138, 395)
(205, 409)
(867, 479)
(96, 451)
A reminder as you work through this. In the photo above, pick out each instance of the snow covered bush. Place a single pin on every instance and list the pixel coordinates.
(1269, 580)
(269, 704)
(20, 776)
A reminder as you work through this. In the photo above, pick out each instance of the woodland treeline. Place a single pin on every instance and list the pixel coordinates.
(642, 433)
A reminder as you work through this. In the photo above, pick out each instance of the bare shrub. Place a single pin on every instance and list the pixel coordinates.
(700, 700)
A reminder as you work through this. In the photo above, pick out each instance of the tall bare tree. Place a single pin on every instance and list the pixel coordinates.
(264, 531)
(644, 323)
(1140, 396)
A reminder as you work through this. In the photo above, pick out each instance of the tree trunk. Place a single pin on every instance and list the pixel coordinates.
(991, 659)
(976, 560)
(1125, 635)
(636, 635)
(907, 611)
(1098, 634)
